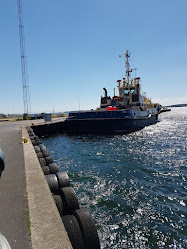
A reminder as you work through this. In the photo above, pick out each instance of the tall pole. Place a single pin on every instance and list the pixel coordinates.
(25, 82)
(127, 65)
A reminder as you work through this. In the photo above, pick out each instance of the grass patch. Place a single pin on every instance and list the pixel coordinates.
(27, 217)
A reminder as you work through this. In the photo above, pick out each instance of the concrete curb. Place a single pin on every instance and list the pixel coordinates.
(47, 229)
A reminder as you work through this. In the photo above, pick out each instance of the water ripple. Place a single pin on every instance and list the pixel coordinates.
(134, 185)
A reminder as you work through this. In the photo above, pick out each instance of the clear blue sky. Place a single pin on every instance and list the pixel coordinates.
(73, 47)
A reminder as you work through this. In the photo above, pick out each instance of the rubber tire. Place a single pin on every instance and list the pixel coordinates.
(39, 155)
(42, 162)
(31, 133)
(59, 204)
(69, 199)
(63, 179)
(48, 160)
(39, 142)
(30, 130)
(34, 142)
(32, 137)
(42, 147)
(45, 153)
(53, 168)
(88, 229)
(52, 182)
(37, 149)
(46, 170)
(73, 231)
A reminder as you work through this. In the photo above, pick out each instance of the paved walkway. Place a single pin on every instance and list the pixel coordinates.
(13, 185)
(13, 188)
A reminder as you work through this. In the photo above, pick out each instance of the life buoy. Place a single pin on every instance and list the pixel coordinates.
(111, 108)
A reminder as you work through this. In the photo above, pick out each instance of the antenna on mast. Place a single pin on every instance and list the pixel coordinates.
(25, 82)
(127, 65)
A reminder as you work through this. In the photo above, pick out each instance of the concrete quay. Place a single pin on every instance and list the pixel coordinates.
(23, 175)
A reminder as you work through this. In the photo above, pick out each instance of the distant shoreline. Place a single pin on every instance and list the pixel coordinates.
(178, 105)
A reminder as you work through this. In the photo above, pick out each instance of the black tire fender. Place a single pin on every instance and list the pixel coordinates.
(73, 230)
(37, 149)
(63, 179)
(42, 161)
(45, 153)
(42, 147)
(52, 182)
(46, 170)
(39, 142)
(34, 142)
(48, 160)
(39, 155)
(69, 199)
(59, 204)
(30, 130)
(88, 229)
(31, 133)
(53, 168)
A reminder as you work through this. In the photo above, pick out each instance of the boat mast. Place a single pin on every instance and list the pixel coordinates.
(127, 65)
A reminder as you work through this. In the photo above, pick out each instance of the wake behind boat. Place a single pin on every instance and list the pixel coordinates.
(125, 113)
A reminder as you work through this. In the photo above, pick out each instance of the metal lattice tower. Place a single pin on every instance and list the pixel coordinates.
(25, 82)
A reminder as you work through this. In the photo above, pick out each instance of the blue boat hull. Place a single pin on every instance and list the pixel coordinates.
(108, 125)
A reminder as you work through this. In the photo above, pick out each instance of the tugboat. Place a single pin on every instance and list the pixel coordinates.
(129, 111)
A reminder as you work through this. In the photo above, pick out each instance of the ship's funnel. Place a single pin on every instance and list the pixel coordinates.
(105, 92)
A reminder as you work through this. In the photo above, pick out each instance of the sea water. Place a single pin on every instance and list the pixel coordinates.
(133, 185)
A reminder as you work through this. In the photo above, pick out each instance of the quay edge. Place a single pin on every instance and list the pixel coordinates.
(49, 128)
(47, 229)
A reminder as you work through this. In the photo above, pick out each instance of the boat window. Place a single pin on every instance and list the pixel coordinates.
(126, 92)
(132, 91)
